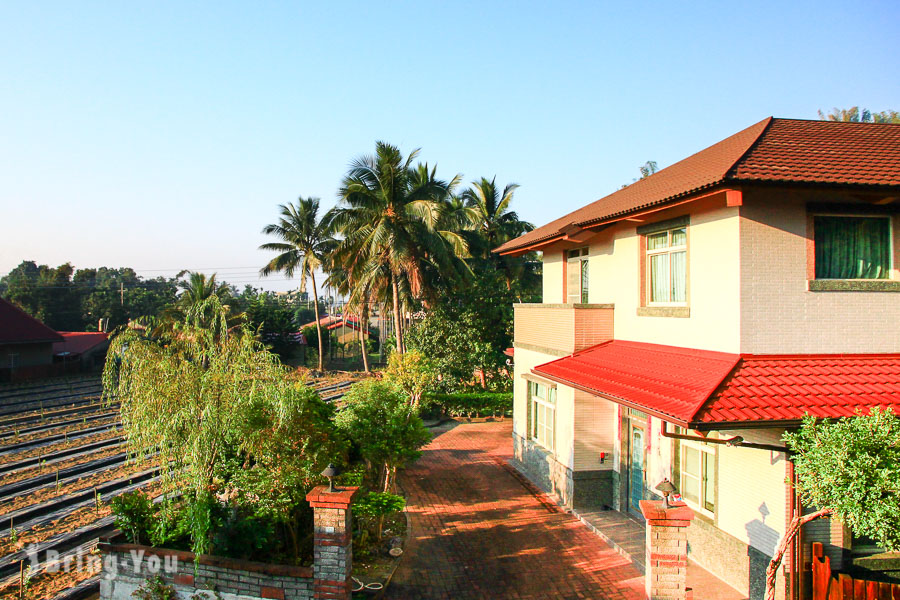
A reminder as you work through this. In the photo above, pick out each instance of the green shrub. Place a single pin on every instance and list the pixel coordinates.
(134, 516)
(472, 404)
(376, 506)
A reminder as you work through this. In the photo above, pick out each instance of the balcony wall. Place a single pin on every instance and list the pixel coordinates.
(562, 328)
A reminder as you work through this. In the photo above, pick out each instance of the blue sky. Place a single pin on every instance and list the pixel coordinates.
(164, 135)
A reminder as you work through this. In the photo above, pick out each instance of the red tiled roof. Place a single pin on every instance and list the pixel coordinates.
(773, 150)
(667, 381)
(18, 327)
(771, 388)
(79, 342)
(698, 388)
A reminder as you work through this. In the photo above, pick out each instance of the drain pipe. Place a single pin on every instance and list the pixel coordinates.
(735, 441)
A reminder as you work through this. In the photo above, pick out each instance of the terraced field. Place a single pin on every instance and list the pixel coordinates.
(62, 458)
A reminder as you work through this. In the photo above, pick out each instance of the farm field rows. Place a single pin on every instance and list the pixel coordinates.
(62, 458)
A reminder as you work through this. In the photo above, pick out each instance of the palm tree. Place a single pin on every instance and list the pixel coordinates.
(305, 245)
(192, 303)
(495, 223)
(493, 220)
(390, 216)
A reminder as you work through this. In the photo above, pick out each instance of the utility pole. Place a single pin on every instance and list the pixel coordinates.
(122, 292)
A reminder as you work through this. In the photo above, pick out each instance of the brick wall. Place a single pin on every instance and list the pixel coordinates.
(126, 567)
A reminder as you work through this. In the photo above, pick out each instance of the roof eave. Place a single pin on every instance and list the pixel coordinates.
(650, 411)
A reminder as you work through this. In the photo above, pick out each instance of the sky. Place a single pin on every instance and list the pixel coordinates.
(163, 135)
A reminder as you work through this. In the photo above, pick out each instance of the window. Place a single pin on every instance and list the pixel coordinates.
(698, 475)
(543, 413)
(852, 247)
(667, 267)
(578, 280)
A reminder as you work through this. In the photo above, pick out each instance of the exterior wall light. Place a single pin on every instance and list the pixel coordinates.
(330, 472)
(666, 487)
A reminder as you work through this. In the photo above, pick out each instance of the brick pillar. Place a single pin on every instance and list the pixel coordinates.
(333, 551)
(666, 566)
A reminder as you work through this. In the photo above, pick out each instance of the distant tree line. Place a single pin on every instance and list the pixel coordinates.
(67, 299)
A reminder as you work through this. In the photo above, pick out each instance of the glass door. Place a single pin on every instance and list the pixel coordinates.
(636, 465)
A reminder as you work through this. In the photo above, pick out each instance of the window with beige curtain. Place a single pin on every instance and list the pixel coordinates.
(667, 267)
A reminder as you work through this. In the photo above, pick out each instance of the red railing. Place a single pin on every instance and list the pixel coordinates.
(844, 587)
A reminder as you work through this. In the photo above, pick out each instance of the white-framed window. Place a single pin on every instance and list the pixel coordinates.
(13, 360)
(853, 246)
(698, 475)
(578, 275)
(543, 413)
(667, 267)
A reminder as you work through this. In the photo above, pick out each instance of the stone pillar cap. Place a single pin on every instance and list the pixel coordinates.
(341, 497)
(654, 510)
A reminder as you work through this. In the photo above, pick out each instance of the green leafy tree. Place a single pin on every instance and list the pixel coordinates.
(120, 295)
(378, 505)
(378, 418)
(272, 317)
(856, 115)
(235, 426)
(46, 293)
(413, 373)
(389, 217)
(467, 332)
(305, 242)
(850, 470)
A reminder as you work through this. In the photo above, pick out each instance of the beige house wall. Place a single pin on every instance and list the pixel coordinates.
(564, 442)
(595, 431)
(552, 270)
(778, 314)
(713, 280)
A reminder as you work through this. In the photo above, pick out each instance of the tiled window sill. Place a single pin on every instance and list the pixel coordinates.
(682, 312)
(854, 285)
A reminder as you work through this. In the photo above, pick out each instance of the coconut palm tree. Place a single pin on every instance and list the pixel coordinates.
(390, 216)
(495, 223)
(305, 244)
(192, 303)
(492, 218)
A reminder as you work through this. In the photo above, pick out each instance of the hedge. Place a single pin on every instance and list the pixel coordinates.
(471, 404)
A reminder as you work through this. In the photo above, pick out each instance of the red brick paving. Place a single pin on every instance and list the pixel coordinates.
(478, 533)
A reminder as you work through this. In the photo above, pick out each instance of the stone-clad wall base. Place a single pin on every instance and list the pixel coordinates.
(573, 489)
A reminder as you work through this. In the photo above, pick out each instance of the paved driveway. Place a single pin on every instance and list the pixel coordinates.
(479, 533)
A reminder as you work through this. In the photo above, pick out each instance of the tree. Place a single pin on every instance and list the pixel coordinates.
(271, 316)
(305, 244)
(378, 418)
(235, 426)
(850, 470)
(389, 217)
(411, 372)
(856, 115)
(45, 293)
(468, 330)
(648, 169)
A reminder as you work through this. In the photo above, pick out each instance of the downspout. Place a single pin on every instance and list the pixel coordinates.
(735, 441)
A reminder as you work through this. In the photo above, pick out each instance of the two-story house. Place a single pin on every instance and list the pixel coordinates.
(691, 317)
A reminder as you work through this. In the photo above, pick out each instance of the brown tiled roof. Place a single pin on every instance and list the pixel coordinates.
(773, 150)
(823, 152)
(18, 327)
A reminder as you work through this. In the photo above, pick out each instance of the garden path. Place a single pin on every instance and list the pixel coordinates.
(479, 533)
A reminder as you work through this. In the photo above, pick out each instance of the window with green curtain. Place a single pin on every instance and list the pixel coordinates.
(852, 247)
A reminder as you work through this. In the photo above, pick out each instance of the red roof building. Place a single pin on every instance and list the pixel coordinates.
(26, 344)
(691, 318)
